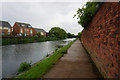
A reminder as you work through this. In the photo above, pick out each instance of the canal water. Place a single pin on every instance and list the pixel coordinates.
(13, 55)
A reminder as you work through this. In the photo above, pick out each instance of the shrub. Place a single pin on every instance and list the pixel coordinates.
(79, 34)
(47, 55)
(24, 66)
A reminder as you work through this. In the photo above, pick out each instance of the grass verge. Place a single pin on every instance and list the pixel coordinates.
(42, 67)
(23, 40)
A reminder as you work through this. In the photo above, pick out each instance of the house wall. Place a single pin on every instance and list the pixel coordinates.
(17, 30)
(6, 31)
(27, 32)
(44, 34)
(101, 38)
(35, 33)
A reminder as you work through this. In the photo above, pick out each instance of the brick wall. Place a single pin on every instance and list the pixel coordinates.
(102, 39)
(35, 33)
(16, 30)
(5, 31)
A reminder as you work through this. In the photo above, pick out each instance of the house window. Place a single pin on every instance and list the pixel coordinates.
(9, 30)
(27, 29)
(21, 31)
(41, 33)
(8, 33)
(5, 27)
(23, 25)
(25, 34)
(3, 33)
(31, 31)
(29, 26)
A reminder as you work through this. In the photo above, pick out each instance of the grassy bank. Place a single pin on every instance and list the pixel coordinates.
(42, 67)
(22, 40)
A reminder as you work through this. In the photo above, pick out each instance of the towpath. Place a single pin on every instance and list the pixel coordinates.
(74, 64)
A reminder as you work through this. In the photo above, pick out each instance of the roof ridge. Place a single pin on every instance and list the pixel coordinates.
(22, 23)
(3, 21)
(5, 24)
(37, 28)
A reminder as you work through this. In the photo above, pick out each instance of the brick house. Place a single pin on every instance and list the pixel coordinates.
(22, 28)
(5, 28)
(38, 30)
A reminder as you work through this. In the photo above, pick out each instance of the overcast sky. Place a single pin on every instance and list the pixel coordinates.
(43, 14)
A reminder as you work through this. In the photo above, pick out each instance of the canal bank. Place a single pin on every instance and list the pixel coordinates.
(74, 64)
(42, 67)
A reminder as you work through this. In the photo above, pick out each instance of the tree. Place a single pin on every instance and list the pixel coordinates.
(58, 33)
(85, 14)
(69, 35)
(79, 34)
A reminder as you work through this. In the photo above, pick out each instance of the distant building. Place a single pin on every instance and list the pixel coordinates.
(38, 30)
(5, 28)
(22, 28)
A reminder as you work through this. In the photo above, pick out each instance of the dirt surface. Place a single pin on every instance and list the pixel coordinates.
(74, 64)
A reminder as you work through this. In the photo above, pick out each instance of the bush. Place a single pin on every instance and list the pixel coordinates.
(29, 39)
(79, 34)
(47, 55)
(24, 66)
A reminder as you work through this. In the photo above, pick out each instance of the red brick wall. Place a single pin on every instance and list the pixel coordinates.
(102, 39)
(35, 33)
(6, 31)
(16, 30)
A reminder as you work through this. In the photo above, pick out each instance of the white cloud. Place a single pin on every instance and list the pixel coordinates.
(44, 0)
(43, 14)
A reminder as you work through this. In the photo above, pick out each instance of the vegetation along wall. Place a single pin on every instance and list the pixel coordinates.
(101, 37)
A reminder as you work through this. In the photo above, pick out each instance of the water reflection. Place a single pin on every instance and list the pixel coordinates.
(13, 55)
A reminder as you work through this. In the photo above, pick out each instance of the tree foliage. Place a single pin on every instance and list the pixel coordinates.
(69, 35)
(58, 33)
(79, 34)
(85, 14)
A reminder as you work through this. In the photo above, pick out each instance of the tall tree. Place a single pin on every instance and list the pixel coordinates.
(58, 33)
(85, 14)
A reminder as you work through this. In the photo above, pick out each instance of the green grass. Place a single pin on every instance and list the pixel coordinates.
(8, 41)
(24, 66)
(42, 67)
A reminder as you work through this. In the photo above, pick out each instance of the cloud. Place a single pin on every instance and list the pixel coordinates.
(43, 14)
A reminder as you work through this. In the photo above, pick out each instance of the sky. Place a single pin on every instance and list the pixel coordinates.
(43, 15)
